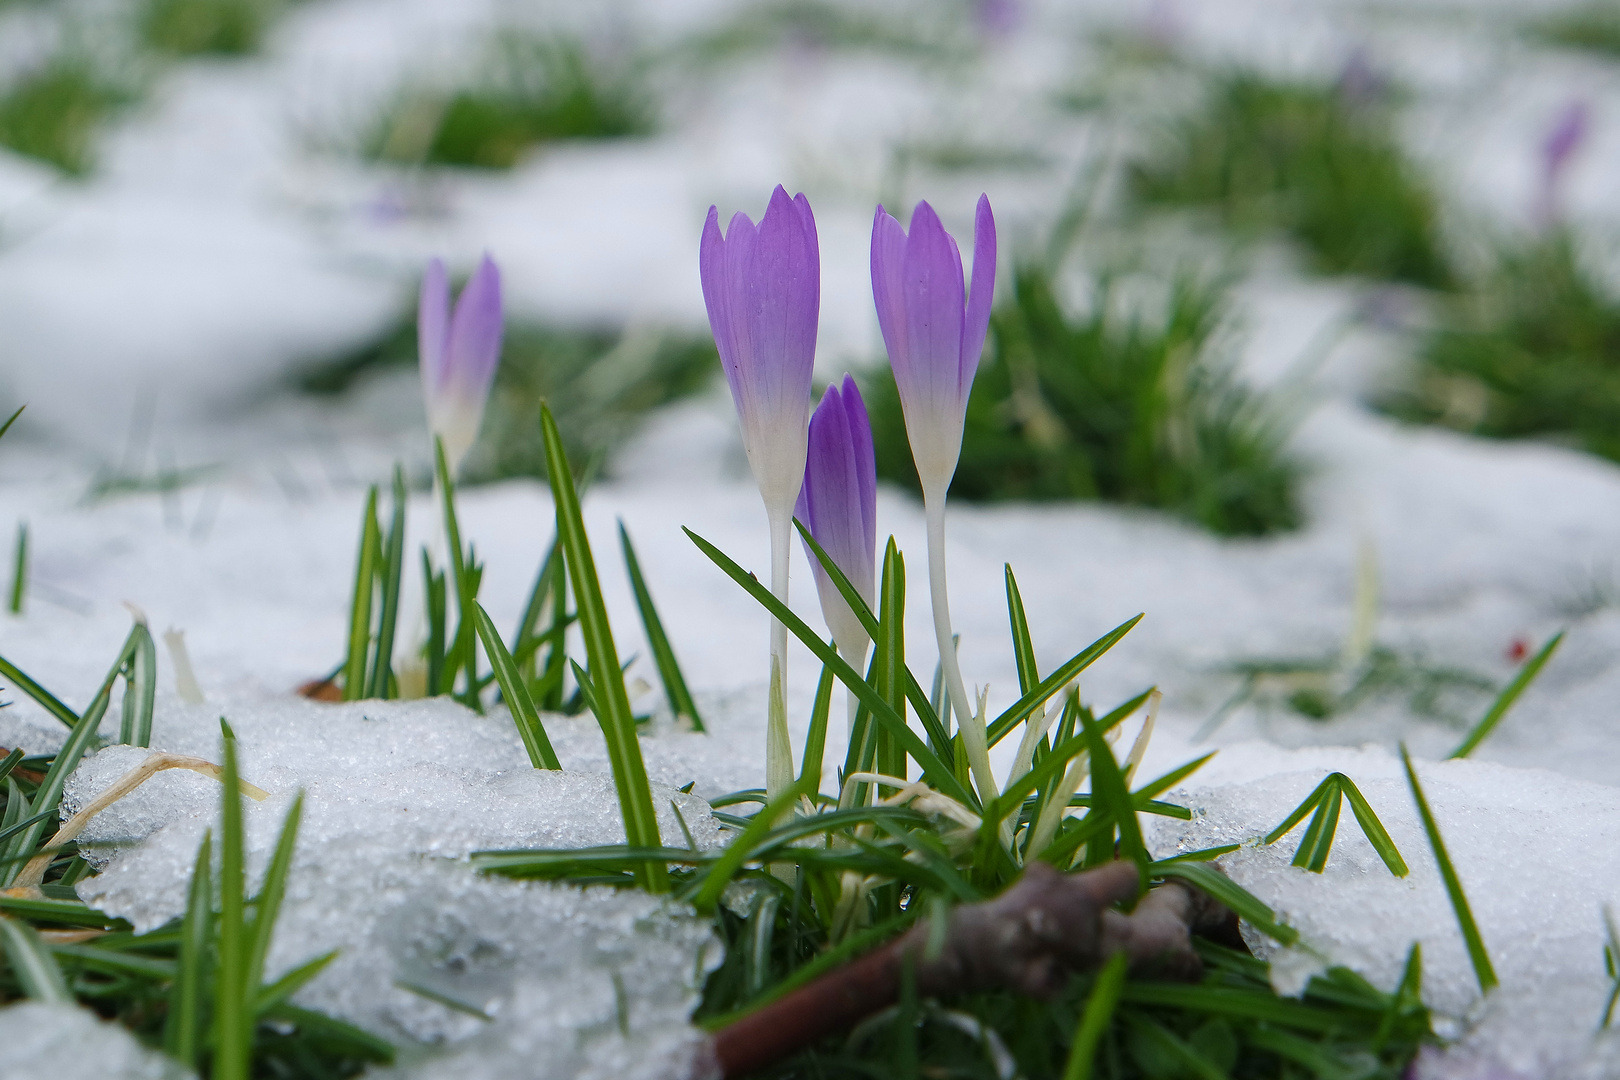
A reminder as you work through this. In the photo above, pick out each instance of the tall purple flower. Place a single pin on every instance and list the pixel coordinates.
(459, 351)
(934, 328)
(838, 504)
(762, 286)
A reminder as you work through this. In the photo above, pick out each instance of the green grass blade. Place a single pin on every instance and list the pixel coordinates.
(268, 907)
(533, 608)
(669, 669)
(815, 740)
(391, 572)
(43, 697)
(462, 655)
(365, 571)
(438, 615)
(1218, 886)
(10, 762)
(613, 712)
(1372, 828)
(890, 646)
(233, 1024)
(1095, 1017)
(937, 773)
(1316, 796)
(140, 689)
(184, 1028)
(1481, 960)
(269, 997)
(1023, 647)
(1170, 779)
(12, 419)
(32, 963)
(516, 694)
(1113, 797)
(49, 794)
(737, 852)
(1054, 682)
(19, 570)
(1505, 700)
(928, 708)
(1329, 812)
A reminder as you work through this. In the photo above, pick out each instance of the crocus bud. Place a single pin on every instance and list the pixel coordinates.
(838, 504)
(459, 352)
(762, 286)
(933, 328)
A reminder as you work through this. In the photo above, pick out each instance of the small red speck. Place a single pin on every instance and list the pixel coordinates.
(1517, 651)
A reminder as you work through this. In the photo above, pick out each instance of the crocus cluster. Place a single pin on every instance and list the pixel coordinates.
(762, 288)
(459, 350)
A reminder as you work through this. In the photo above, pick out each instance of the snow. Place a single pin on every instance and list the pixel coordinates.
(34, 1032)
(396, 795)
(152, 312)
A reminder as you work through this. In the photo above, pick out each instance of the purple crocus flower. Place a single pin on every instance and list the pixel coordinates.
(459, 351)
(838, 504)
(762, 286)
(1558, 148)
(933, 328)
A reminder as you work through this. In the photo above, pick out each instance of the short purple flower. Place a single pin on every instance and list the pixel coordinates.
(762, 286)
(459, 352)
(934, 328)
(1558, 148)
(838, 504)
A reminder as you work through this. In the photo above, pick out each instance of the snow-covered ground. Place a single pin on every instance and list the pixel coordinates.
(224, 241)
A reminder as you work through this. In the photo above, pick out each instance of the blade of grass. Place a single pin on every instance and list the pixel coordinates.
(462, 655)
(1372, 828)
(1054, 682)
(1301, 810)
(12, 419)
(1504, 701)
(1219, 887)
(1315, 860)
(272, 996)
(1094, 1018)
(613, 712)
(515, 692)
(1023, 647)
(32, 963)
(815, 740)
(737, 852)
(268, 906)
(140, 689)
(365, 570)
(937, 773)
(1109, 790)
(438, 624)
(1477, 955)
(233, 1030)
(392, 573)
(19, 570)
(669, 669)
(183, 1030)
(43, 697)
(49, 794)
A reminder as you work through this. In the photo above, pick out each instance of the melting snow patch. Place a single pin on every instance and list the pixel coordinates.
(33, 1033)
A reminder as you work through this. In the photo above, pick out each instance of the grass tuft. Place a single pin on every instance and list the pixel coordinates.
(1105, 406)
(206, 27)
(533, 91)
(1318, 162)
(53, 112)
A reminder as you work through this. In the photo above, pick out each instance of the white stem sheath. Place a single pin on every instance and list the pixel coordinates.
(972, 724)
(778, 750)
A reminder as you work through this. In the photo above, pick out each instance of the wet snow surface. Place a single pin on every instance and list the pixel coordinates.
(223, 242)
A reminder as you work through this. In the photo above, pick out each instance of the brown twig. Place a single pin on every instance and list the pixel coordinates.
(1028, 939)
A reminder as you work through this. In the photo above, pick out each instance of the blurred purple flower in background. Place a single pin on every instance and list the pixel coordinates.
(934, 327)
(838, 504)
(762, 286)
(459, 351)
(1558, 148)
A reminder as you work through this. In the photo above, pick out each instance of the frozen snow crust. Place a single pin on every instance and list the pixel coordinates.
(396, 795)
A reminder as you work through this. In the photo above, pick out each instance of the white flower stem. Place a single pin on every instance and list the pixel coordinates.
(970, 723)
(778, 751)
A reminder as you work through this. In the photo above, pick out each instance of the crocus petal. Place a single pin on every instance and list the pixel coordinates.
(432, 327)
(459, 352)
(762, 288)
(932, 331)
(980, 295)
(838, 505)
